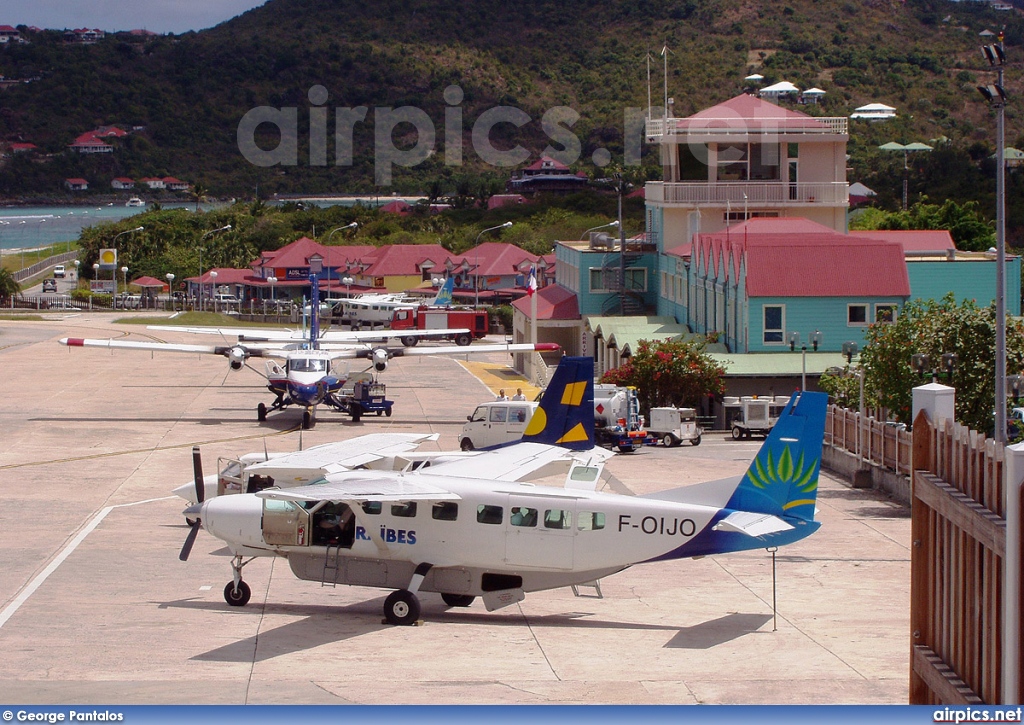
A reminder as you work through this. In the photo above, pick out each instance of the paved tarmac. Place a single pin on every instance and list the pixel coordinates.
(96, 608)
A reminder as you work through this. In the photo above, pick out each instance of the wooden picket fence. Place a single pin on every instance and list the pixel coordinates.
(958, 534)
(873, 440)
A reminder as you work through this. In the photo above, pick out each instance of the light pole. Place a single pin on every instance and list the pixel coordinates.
(213, 288)
(170, 290)
(996, 96)
(353, 225)
(600, 226)
(347, 281)
(78, 264)
(476, 272)
(224, 228)
(124, 274)
(96, 277)
(272, 281)
(814, 339)
(113, 244)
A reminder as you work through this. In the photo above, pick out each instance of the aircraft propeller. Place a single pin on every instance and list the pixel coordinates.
(194, 511)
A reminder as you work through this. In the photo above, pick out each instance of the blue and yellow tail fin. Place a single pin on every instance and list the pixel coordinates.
(565, 416)
(444, 295)
(783, 478)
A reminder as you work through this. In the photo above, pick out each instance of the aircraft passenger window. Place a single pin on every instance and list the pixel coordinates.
(557, 519)
(445, 511)
(404, 510)
(489, 514)
(523, 516)
(590, 521)
(498, 414)
(371, 507)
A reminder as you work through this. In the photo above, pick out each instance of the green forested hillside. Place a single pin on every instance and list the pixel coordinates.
(188, 93)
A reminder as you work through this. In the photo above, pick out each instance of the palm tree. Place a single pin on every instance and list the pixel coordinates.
(8, 285)
(199, 193)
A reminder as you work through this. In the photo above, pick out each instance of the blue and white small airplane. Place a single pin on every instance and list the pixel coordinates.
(469, 527)
(309, 375)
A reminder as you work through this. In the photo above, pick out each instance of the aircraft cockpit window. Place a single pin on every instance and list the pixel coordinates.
(523, 516)
(590, 521)
(371, 507)
(489, 514)
(308, 365)
(404, 510)
(557, 519)
(445, 511)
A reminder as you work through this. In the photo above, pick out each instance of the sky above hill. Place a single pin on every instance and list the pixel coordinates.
(159, 16)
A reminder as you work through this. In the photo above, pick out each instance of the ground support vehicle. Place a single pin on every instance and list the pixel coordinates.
(754, 419)
(672, 426)
(424, 319)
(496, 423)
(367, 396)
(617, 420)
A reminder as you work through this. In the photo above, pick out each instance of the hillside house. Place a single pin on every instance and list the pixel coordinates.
(175, 184)
(122, 182)
(88, 143)
(546, 175)
(153, 182)
(76, 184)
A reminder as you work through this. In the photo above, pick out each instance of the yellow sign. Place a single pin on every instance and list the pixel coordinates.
(108, 258)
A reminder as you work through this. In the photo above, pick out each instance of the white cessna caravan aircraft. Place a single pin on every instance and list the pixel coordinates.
(467, 528)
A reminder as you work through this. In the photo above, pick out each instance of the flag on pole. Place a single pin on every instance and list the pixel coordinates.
(531, 284)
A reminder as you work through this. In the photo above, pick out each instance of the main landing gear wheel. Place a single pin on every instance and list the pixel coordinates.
(401, 608)
(261, 412)
(308, 420)
(237, 597)
(458, 600)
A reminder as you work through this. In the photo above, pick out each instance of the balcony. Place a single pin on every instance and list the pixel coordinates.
(680, 130)
(757, 193)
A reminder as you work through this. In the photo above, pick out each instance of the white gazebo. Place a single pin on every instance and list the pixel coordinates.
(874, 112)
(777, 90)
(811, 95)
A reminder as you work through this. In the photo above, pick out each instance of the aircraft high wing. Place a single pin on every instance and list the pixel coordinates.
(310, 374)
(309, 377)
(464, 537)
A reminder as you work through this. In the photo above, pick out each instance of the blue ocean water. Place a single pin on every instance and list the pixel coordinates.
(41, 226)
(28, 227)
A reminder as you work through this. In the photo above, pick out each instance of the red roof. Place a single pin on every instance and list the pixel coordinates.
(793, 257)
(298, 252)
(225, 275)
(89, 139)
(499, 200)
(546, 163)
(76, 181)
(498, 258)
(23, 146)
(554, 302)
(912, 240)
(396, 207)
(149, 282)
(404, 259)
(746, 111)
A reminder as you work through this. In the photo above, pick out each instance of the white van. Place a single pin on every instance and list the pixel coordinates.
(495, 423)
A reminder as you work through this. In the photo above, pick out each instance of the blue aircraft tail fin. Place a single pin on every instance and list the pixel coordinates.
(565, 416)
(444, 295)
(314, 312)
(783, 478)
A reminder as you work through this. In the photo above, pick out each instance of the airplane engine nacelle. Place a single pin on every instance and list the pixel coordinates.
(237, 357)
(380, 360)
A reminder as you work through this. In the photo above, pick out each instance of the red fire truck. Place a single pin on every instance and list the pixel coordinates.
(440, 318)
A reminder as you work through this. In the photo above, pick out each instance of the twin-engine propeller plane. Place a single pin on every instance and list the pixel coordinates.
(309, 375)
(467, 528)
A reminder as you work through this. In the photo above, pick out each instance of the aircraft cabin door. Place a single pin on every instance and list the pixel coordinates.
(540, 532)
